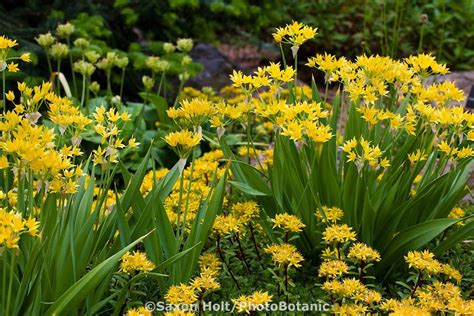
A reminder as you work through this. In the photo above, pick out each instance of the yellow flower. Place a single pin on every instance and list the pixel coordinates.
(182, 141)
(3, 162)
(140, 311)
(361, 252)
(10, 96)
(225, 225)
(288, 222)
(181, 294)
(5, 42)
(333, 268)
(136, 262)
(249, 303)
(13, 67)
(132, 143)
(417, 156)
(25, 57)
(339, 233)
(332, 214)
(423, 261)
(285, 255)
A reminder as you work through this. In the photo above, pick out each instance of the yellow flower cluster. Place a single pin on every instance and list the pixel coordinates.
(149, 180)
(424, 261)
(183, 141)
(339, 234)
(366, 153)
(363, 253)
(285, 255)
(5, 45)
(12, 226)
(333, 268)
(434, 298)
(289, 223)
(261, 159)
(295, 34)
(140, 311)
(135, 262)
(457, 213)
(245, 211)
(226, 224)
(181, 294)
(107, 125)
(331, 214)
(206, 168)
(251, 303)
(351, 288)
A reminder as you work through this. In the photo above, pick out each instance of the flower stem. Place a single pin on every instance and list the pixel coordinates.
(219, 251)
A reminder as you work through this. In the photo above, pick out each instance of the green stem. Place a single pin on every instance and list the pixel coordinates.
(72, 70)
(180, 201)
(160, 85)
(121, 83)
(83, 90)
(4, 106)
(10, 284)
(109, 87)
(186, 207)
(57, 76)
(420, 45)
(50, 68)
(181, 84)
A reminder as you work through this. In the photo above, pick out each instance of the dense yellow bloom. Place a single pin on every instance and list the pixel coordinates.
(333, 268)
(193, 111)
(5, 42)
(423, 261)
(210, 262)
(295, 34)
(345, 288)
(136, 261)
(205, 282)
(245, 211)
(457, 213)
(332, 214)
(226, 224)
(349, 309)
(339, 233)
(288, 223)
(417, 156)
(285, 255)
(248, 303)
(140, 311)
(362, 252)
(181, 295)
(12, 226)
(183, 141)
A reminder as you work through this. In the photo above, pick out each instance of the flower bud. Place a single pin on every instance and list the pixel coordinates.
(185, 44)
(94, 87)
(45, 40)
(92, 56)
(59, 51)
(81, 43)
(148, 83)
(168, 48)
(186, 60)
(65, 30)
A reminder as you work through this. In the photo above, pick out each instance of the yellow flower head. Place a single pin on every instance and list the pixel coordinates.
(361, 252)
(285, 255)
(288, 223)
(136, 261)
(339, 233)
(183, 141)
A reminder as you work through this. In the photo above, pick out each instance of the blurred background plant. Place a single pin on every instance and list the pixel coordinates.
(349, 28)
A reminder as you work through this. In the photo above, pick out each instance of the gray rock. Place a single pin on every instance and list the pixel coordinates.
(217, 67)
